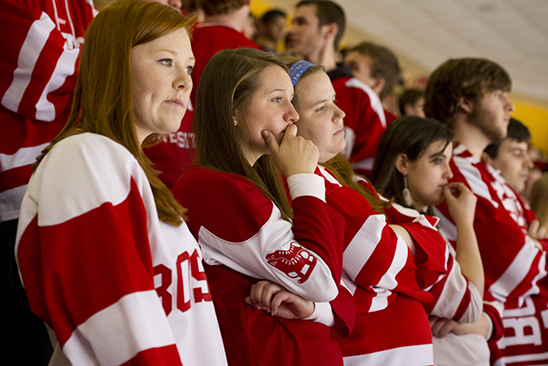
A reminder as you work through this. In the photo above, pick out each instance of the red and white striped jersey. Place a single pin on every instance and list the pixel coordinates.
(244, 239)
(438, 272)
(365, 121)
(114, 283)
(515, 269)
(40, 44)
(379, 270)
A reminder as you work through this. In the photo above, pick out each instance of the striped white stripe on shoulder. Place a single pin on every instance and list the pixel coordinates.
(473, 176)
(81, 173)
(376, 103)
(66, 65)
(419, 355)
(23, 156)
(37, 37)
(363, 244)
(92, 342)
(388, 281)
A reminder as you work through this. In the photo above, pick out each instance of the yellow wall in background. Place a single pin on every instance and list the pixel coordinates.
(259, 7)
(536, 118)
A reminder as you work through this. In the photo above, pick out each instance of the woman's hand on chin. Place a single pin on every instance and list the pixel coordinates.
(294, 155)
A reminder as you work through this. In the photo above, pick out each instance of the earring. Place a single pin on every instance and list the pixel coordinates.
(235, 123)
(407, 201)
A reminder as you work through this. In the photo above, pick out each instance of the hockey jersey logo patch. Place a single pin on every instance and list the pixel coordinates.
(296, 262)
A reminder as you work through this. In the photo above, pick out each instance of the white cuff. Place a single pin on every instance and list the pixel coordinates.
(306, 184)
(323, 313)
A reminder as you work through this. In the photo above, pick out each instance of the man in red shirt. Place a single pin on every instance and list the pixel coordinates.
(471, 96)
(315, 34)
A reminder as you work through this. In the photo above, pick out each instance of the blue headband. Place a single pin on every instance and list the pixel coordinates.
(298, 69)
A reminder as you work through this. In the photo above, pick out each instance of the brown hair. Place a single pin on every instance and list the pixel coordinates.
(461, 78)
(409, 135)
(216, 7)
(103, 98)
(345, 174)
(384, 64)
(229, 81)
(328, 12)
(539, 199)
(339, 166)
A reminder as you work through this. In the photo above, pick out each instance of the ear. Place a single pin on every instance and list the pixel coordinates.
(466, 105)
(401, 164)
(486, 158)
(330, 30)
(378, 84)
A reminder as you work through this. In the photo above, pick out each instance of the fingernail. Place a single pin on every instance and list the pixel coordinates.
(264, 133)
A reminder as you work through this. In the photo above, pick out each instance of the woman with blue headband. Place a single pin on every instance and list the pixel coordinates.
(393, 274)
(239, 213)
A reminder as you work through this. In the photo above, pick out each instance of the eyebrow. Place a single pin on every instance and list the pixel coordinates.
(174, 53)
(437, 155)
(168, 51)
(278, 90)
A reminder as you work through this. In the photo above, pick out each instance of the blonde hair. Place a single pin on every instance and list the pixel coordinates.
(539, 199)
(103, 101)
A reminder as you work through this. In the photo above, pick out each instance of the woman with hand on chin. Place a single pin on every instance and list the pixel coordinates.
(101, 240)
(391, 269)
(240, 215)
(391, 325)
(412, 167)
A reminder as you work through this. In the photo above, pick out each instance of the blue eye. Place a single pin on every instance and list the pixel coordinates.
(189, 69)
(166, 62)
(277, 100)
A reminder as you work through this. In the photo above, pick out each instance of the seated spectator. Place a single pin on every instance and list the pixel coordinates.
(510, 156)
(271, 30)
(377, 67)
(411, 103)
(385, 265)
(240, 214)
(101, 240)
(470, 95)
(412, 167)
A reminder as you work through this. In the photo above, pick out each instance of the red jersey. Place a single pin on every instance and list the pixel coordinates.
(113, 283)
(365, 120)
(209, 38)
(515, 269)
(244, 239)
(40, 45)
